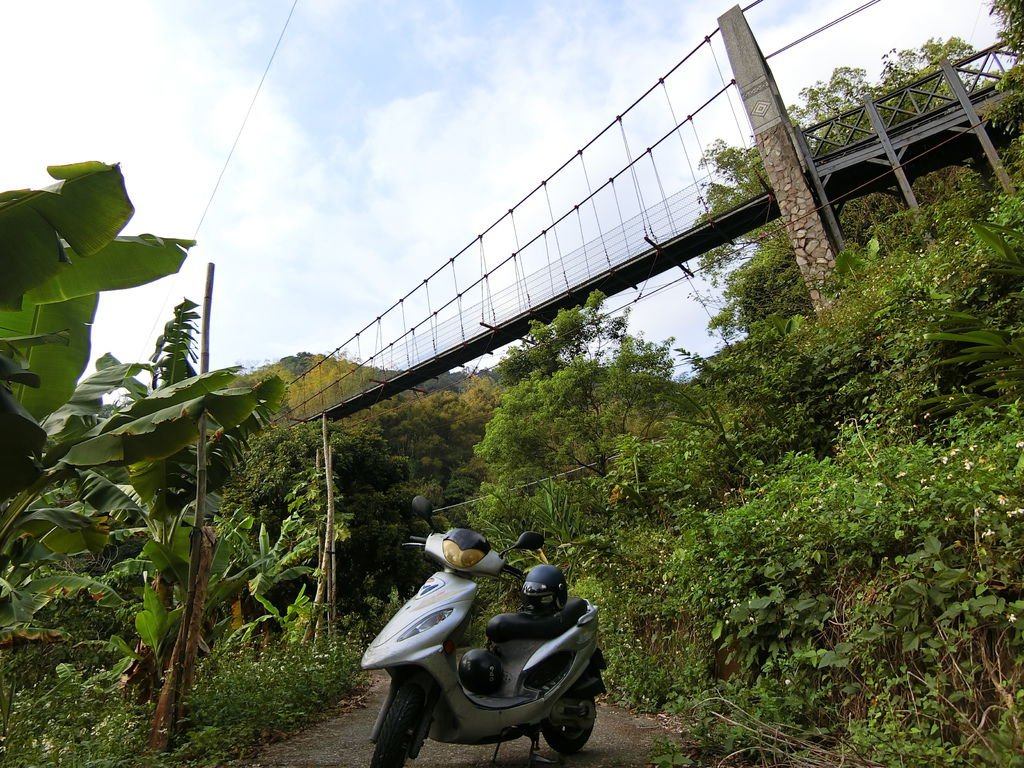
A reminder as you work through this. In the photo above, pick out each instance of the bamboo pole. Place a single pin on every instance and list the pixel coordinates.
(315, 620)
(329, 535)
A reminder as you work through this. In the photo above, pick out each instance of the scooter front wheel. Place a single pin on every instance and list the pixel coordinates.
(399, 728)
(564, 739)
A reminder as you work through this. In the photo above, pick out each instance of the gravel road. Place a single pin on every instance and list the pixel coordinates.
(620, 740)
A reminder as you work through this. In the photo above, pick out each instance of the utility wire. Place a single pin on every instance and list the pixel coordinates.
(245, 119)
(819, 30)
(227, 160)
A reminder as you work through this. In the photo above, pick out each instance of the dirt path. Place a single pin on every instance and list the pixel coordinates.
(620, 740)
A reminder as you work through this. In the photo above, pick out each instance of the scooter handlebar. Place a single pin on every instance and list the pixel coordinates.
(513, 570)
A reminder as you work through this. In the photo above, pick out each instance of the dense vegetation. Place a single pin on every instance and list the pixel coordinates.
(808, 548)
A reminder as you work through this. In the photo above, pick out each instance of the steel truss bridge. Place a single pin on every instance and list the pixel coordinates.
(617, 234)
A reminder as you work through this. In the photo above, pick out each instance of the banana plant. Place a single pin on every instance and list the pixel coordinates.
(59, 248)
(146, 447)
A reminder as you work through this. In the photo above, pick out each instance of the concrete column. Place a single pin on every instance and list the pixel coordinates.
(810, 223)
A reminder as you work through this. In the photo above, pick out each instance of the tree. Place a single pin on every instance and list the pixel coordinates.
(1011, 20)
(436, 433)
(372, 500)
(576, 386)
(842, 91)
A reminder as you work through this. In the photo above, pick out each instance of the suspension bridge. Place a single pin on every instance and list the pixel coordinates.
(632, 203)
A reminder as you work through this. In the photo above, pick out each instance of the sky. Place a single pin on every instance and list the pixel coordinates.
(386, 136)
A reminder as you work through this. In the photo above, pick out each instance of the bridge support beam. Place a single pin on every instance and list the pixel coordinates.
(978, 126)
(809, 219)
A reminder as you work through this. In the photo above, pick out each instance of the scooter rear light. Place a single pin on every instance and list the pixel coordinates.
(424, 624)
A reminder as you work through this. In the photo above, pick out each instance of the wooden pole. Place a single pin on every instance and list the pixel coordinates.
(316, 619)
(329, 561)
(180, 672)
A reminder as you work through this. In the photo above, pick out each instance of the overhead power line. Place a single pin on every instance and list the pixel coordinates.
(245, 119)
(819, 30)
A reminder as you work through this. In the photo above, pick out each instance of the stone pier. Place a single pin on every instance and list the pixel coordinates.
(808, 218)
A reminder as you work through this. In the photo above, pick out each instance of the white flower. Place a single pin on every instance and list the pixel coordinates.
(989, 533)
(901, 474)
(1012, 618)
(968, 465)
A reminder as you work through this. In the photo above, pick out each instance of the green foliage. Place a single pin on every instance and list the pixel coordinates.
(847, 86)
(768, 283)
(995, 356)
(372, 502)
(843, 90)
(241, 697)
(903, 67)
(176, 347)
(575, 386)
(60, 249)
(666, 753)
(581, 333)
(1011, 22)
(437, 432)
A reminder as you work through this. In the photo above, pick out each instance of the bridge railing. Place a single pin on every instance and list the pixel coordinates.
(979, 73)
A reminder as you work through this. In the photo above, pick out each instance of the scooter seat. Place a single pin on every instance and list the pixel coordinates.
(533, 626)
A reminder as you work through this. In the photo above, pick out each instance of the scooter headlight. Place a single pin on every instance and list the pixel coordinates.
(424, 624)
(463, 547)
(459, 557)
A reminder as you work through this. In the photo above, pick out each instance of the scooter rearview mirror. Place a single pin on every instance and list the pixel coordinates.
(421, 506)
(529, 540)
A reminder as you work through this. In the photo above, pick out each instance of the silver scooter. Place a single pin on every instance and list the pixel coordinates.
(539, 674)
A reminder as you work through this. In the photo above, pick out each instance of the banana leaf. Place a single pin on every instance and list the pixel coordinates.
(81, 412)
(124, 262)
(165, 422)
(10, 636)
(20, 602)
(20, 448)
(108, 498)
(16, 374)
(85, 209)
(58, 366)
(13, 345)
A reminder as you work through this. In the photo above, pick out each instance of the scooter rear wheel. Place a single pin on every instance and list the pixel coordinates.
(563, 739)
(399, 727)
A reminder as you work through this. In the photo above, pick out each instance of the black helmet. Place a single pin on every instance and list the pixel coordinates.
(544, 589)
(480, 671)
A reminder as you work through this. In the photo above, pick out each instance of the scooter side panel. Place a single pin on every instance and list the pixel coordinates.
(459, 720)
(441, 591)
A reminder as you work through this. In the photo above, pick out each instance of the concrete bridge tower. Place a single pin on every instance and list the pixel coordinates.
(809, 219)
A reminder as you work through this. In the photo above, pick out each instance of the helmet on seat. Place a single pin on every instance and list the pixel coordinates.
(480, 671)
(545, 590)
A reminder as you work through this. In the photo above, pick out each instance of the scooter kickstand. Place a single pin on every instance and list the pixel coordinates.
(496, 748)
(536, 759)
